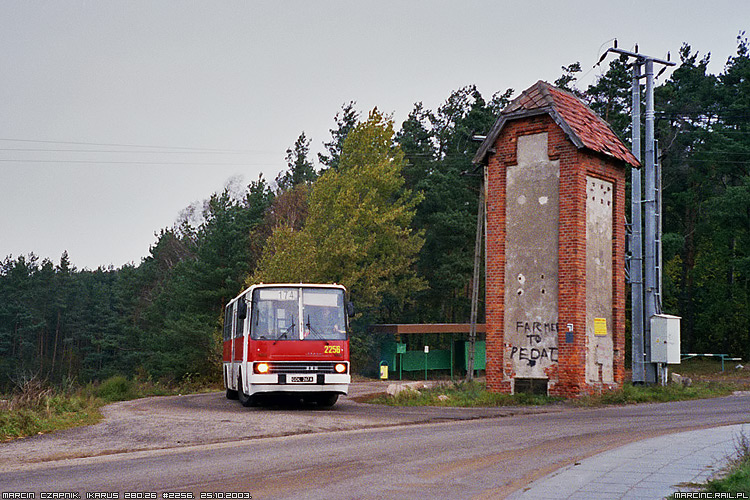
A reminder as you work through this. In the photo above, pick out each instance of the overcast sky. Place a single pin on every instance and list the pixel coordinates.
(162, 102)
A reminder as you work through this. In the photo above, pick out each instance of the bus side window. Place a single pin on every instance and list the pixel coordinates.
(254, 320)
(240, 328)
(224, 332)
(228, 322)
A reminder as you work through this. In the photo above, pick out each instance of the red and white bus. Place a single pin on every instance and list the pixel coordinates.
(287, 338)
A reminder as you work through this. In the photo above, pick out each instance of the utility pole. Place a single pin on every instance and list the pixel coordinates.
(636, 243)
(481, 223)
(645, 290)
(475, 284)
(650, 279)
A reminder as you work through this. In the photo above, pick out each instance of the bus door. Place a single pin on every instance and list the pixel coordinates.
(228, 345)
(239, 345)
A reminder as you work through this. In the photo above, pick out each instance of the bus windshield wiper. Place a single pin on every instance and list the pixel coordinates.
(286, 332)
(313, 330)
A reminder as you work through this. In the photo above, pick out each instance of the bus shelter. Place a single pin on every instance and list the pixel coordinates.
(426, 347)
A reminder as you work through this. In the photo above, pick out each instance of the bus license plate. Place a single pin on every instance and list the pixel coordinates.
(304, 379)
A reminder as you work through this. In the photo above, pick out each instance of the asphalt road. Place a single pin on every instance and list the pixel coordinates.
(469, 456)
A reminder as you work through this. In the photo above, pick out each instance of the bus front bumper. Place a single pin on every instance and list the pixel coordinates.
(300, 383)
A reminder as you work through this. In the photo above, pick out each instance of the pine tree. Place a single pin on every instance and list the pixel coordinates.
(300, 170)
(346, 120)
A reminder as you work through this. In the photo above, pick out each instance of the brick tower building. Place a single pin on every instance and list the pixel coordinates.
(555, 295)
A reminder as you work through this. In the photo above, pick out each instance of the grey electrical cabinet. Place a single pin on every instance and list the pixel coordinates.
(665, 339)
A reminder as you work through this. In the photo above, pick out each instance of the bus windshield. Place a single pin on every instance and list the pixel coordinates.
(323, 315)
(291, 313)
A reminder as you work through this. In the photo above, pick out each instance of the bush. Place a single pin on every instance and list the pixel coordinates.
(30, 392)
(34, 408)
(117, 388)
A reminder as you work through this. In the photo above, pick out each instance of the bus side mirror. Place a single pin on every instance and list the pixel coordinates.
(242, 310)
(350, 309)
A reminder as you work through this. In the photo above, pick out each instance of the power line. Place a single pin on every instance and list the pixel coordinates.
(729, 162)
(44, 150)
(77, 143)
(237, 164)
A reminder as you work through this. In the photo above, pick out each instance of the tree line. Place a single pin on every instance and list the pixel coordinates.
(391, 214)
(703, 132)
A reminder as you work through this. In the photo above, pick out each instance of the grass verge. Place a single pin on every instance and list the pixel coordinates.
(475, 394)
(465, 394)
(737, 480)
(634, 394)
(120, 388)
(36, 408)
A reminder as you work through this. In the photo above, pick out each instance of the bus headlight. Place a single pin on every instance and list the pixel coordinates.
(261, 368)
(340, 368)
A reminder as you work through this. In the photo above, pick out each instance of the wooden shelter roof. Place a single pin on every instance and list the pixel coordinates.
(400, 329)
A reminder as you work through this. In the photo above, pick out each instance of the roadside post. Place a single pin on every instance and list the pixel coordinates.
(400, 351)
(426, 352)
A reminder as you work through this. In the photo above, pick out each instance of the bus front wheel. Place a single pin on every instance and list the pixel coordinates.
(326, 400)
(246, 400)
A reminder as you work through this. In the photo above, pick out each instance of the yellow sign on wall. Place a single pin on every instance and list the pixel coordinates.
(600, 326)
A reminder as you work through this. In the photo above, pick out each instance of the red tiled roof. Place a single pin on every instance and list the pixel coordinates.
(583, 127)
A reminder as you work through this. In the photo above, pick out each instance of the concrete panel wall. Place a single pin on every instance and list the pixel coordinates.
(531, 264)
(599, 320)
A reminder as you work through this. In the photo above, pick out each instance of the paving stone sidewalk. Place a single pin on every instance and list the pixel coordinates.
(646, 470)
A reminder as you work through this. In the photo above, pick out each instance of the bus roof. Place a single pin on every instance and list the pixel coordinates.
(287, 285)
